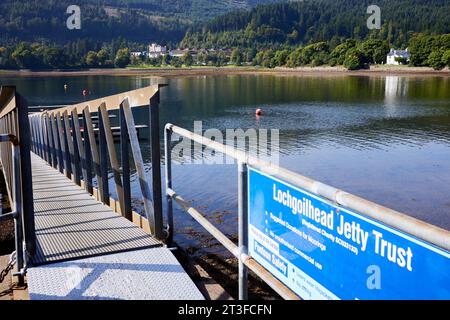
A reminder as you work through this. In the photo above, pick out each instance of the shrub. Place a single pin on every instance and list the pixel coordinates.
(435, 60)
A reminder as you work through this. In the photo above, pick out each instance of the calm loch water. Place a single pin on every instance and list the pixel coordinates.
(386, 139)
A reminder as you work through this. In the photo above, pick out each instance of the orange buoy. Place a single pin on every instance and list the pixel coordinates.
(85, 92)
(258, 112)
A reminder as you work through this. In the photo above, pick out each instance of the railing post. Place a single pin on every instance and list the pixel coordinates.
(243, 229)
(79, 148)
(57, 142)
(125, 159)
(76, 150)
(66, 148)
(18, 219)
(62, 144)
(45, 137)
(112, 155)
(104, 195)
(51, 144)
(168, 178)
(70, 149)
(42, 136)
(139, 164)
(156, 164)
(89, 128)
(26, 177)
(88, 157)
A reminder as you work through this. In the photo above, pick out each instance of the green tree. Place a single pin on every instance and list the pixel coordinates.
(374, 51)
(354, 59)
(339, 52)
(122, 58)
(221, 59)
(435, 60)
(257, 61)
(420, 50)
(176, 62)
(267, 59)
(446, 58)
(102, 57)
(250, 54)
(202, 58)
(92, 59)
(293, 59)
(316, 54)
(23, 56)
(401, 60)
(281, 57)
(166, 59)
(236, 57)
(54, 57)
(187, 59)
(3, 56)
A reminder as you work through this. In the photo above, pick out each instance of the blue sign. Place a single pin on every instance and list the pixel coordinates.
(324, 251)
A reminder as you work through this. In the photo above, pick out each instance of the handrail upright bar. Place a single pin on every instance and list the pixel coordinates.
(139, 165)
(259, 270)
(243, 229)
(240, 252)
(17, 213)
(168, 180)
(156, 165)
(125, 160)
(103, 158)
(26, 180)
(20, 253)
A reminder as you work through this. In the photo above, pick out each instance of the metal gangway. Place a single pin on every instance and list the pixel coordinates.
(73, 240)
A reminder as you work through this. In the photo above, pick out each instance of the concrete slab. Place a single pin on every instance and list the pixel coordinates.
(147, 274)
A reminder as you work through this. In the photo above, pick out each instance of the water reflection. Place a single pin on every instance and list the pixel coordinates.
(383, 138)
(396, 87)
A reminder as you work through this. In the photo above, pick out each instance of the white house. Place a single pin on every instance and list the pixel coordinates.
(390, 59)
(155, 50)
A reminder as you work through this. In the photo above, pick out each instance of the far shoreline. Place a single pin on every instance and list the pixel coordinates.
(211, 71)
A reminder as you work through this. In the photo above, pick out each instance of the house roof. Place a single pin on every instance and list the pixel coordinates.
(399, 53)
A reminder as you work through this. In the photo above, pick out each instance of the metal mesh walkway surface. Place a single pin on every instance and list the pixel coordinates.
(71, 224)
(86, 251)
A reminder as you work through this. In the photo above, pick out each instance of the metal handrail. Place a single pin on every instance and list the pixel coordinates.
(415, 227)
(17, 212)
(14, 121)
(427, 232)
(239, 251)
(58, 139)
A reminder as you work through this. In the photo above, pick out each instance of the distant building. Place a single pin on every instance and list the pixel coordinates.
(155, 50)
(181, 52)
(178, 52)
(393, 54)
